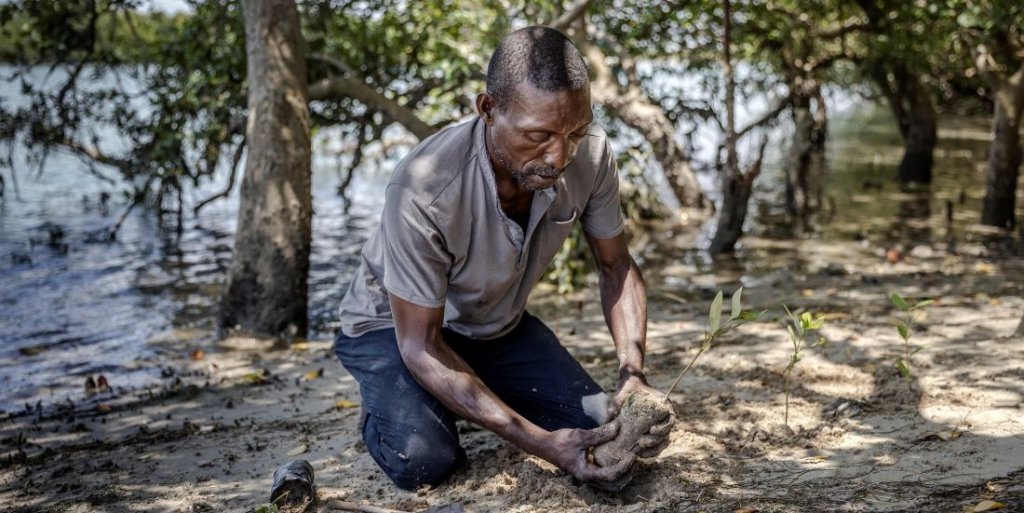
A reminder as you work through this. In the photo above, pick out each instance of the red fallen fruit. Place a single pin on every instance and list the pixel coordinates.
(893, 256)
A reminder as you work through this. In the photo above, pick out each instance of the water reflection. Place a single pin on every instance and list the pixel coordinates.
(914, 216)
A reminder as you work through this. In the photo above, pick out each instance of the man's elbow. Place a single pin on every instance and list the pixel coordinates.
(619, 269)
(414, 354)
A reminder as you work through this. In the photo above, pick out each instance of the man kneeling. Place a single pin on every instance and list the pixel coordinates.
(434, 325)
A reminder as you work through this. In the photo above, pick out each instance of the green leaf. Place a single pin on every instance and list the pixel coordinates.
(716, 313)
(792, 335)
(904, 332)
(806, 320)
(902, 367)
(922, 304)
(747, 315)
(736, 307)
(917, 349)
(817, 322)
(898, 302)
(797, 356)
(820, 342)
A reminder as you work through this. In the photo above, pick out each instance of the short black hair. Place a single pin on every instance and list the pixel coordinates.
(541, 55)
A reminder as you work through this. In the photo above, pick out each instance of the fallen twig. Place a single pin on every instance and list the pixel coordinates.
(336, 503)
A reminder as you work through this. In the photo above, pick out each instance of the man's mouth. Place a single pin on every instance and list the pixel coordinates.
(548, 174)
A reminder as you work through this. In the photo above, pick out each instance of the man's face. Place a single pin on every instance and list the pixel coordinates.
(536, 135)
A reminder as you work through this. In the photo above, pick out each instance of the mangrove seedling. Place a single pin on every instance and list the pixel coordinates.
(737, 317)
(798, 326)
(904, 325)
(643, 410)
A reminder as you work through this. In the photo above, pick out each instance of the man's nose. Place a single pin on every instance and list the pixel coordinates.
(560, 153)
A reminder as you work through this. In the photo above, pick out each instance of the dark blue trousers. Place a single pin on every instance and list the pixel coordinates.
(413, 437)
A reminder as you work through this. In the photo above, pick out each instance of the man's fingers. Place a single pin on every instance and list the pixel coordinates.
(669, 417)
(662, 429)
(617, 471)
(616, 484)
(600, 434)
(613, 410)
(650, 446)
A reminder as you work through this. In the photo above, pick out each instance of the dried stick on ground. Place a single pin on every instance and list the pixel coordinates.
(338, 504)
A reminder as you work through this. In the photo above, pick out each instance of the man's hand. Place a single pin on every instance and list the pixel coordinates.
(656, 439)
(567, 449)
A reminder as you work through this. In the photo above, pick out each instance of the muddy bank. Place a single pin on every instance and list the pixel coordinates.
(860, 438)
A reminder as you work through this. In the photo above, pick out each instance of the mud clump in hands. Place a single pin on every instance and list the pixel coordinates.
(641, 411)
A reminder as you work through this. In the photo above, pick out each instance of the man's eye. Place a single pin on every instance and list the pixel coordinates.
(537, 137)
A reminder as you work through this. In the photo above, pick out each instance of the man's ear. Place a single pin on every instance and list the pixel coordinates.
(485, 107)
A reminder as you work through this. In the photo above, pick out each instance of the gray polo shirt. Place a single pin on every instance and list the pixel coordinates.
(444, 241)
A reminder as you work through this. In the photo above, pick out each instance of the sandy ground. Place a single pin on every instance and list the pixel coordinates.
(859, 438)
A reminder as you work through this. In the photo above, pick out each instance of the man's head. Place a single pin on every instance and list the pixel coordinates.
(536, 107)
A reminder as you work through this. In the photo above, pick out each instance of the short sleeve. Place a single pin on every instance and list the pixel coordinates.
(416, 262)
(602, 217)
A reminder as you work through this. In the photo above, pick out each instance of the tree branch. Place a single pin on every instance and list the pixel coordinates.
(705, 112)
(570, 15)
(1016, 80)
(236, 159)
(829, 60)
(95, 155)
(336, 88)
(767, 117)
(336, 63)
(357, 158)
(755, 169)
(854, 25)
(110, 234)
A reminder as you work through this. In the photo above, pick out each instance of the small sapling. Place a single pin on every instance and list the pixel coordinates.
(904, 325)
(798, 326)
(643, 410)
(737, 317)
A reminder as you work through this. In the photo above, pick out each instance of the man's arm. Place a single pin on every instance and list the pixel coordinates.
(624, 301)
(441, 371)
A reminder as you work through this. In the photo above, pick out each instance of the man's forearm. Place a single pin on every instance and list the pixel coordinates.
(624, 300)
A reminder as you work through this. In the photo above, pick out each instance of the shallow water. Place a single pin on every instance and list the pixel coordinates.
(72, 307)
(860, 201)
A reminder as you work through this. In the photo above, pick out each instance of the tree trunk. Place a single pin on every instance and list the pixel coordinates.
(1004, 159)
(920, 138)
(798, 163)
(640, 114)
(909, 101)
(736, 185)
(735, 198)
(634, 108)
(266, 291)
(819, 159)
(912, 107)
(805, 164)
